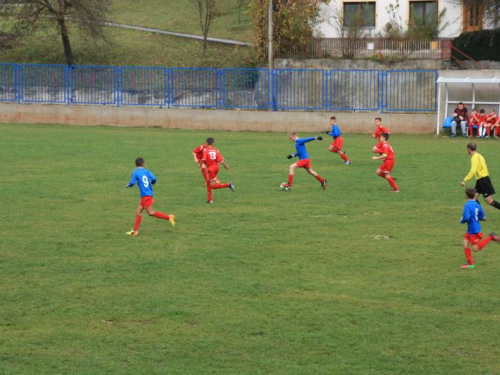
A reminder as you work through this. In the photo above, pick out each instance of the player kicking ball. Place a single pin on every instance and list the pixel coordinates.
(473, 213)
(211, 160)
(338, 141)
(387, 154)
(145, 181)
(304, 161)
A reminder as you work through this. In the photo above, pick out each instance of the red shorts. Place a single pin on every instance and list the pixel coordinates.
(147, 201)
(213, 170)
(337, 144)
(304, 163)
(387, 166)
(473, 238)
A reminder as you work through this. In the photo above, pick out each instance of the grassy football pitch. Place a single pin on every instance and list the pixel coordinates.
(353, 279)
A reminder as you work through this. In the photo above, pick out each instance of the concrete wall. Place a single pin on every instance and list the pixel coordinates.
(351, 122)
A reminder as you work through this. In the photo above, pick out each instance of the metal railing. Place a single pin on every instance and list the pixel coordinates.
(259, 89)
(364, 47)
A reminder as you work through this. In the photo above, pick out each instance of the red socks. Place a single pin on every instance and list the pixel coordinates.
(137, 224)
(220, 186)
(392, 183)
(209, 192)
(290, 179)
(344, 157)
(160, 215)
(381, 175)
(468, 255)
(319, 178)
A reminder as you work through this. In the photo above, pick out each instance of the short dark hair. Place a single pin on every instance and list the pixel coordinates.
(471, 146)
(333, 118)
(470, 192)
(481, 111)
(210, 141)
(378, 118)
(385, 135)
(460, 103)
(139, 162)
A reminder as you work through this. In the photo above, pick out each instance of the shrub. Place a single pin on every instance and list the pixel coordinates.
(480, 45)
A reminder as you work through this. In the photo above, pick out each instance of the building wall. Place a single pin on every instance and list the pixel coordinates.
(453, 17)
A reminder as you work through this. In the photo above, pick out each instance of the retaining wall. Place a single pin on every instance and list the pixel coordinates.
(350, 122)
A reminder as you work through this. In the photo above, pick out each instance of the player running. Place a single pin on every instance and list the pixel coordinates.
(338, 142)
(379, 129)
(145, 181)
(473, 213)
(387, 154)
(479, 170)
(304, 161)
(210, 160)
(198, 158)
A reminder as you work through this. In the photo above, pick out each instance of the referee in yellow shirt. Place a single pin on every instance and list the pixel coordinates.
(479, 170)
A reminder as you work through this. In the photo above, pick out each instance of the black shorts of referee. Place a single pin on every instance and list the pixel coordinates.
(485, 187)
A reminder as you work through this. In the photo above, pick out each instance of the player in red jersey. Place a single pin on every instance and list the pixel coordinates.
(380, 129)
(211, 160)
(491, 120)
(198, 158)
(474, 120)
(387, 154)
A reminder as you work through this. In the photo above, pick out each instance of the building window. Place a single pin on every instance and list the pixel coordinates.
(475, 15)
(423, 12)
(359, 14)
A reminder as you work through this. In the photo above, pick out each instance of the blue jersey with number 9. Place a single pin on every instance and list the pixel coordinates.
(145, 181)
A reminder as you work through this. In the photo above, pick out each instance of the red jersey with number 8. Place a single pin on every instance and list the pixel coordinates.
(212, 156)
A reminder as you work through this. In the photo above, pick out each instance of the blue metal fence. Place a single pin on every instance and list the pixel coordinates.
(8, 83)
(410, 90)
(277, 89)
(354, 90)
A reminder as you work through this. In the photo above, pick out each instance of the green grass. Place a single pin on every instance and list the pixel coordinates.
(136, 48)
(182, 16)
(262, 281)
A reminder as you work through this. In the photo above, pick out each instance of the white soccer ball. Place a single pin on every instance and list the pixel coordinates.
(284, 186)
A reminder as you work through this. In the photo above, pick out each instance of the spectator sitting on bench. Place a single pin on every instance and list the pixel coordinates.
(482, 121)
(474, 120)
(460, 116)
(491, 120)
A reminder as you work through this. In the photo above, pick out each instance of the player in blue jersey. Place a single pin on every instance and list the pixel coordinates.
(145, 181)
(338, 142)
(304, 161)
(473, 213)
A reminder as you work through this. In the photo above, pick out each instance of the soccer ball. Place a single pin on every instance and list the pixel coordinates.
(284, 186)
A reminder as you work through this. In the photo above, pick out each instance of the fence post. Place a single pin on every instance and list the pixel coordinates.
(19, 83)
(219, 89)
(382, 91)
(326, 91)
(118, 86)
(68, 84)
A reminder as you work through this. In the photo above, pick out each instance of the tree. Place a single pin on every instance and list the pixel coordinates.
(88, 15)
(350, 31)
(293, 21)
(208, 10)
(240, 4)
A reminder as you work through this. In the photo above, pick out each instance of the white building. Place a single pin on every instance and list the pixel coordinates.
(377, 13)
